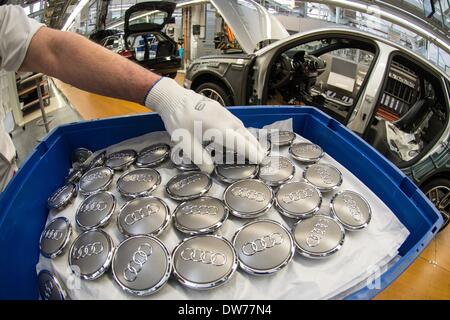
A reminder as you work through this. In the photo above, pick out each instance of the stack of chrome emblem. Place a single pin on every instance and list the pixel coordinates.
(296, 182)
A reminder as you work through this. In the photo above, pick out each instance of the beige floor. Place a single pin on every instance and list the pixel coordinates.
(427, 278)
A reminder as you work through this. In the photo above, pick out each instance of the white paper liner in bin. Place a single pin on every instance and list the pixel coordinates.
(365, 254)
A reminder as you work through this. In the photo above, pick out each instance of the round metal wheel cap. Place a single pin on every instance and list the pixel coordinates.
(50, 287)
(263, 247)
(306, 152)
(318, 237)
(143, 216)
(181, 162)
(201, 215)
(55, 237)
(121, 160)
(80, 155)
(204, 262)
(351, 210)
(90, 254)
(229, 173)
(138, 183)
(188, 185)
(98, 161)
(62, 197)
(96, 179)
(141, 265)
(275, 170)
(298, 200)
(281, 138)
(153, 155)
(323, 176)
(248, 198)
(95, 211)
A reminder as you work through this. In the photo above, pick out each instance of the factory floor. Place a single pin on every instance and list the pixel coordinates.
(427, 278)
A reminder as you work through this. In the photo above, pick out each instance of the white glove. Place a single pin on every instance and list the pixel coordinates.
(181, 110)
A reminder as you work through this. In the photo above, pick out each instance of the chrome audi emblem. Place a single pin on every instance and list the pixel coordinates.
(352, 206)
(119, 155)
(324, 175)
(141, 213)
(139, 258)
(317, 233)
(248, 194)
(87, 250)
(57, 194)
(94, 206)
(274, 166)
(96, 175)
(183, 183)
(200, 209)
(232, 167)
(53, 234)
(138, 177)
(153, 150)
(203, 256)
(48, 290)
(261, 244)
(307, 148)
(297, 195)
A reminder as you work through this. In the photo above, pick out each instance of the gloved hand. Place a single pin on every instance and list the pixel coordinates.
(183, 110)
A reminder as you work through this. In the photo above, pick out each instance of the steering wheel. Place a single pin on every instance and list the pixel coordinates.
(281, 71)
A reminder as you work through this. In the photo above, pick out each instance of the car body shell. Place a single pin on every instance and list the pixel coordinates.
(245, 78)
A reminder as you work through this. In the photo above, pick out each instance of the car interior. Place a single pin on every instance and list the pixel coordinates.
(326, 73)
(156, 43)
(411, 113)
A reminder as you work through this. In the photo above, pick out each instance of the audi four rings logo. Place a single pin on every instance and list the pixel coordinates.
(53, 234)
(352, 207)
(96, 175)
(317, 233)
(94, 206)
(272, 167)
(261, 244)
(200, 209)
(232, 167)
(183, 183)
(324, 175)
(217, 259)
(248, 194)
(150, 152)
(119, 155)
(139, 258)
(48, 289)
(306, 148)
(87, 250)
(297, 195)
(141, 213)
(57, 194)
(138, 177)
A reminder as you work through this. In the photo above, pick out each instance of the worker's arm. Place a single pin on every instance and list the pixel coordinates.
(86, 65)
(27, 45)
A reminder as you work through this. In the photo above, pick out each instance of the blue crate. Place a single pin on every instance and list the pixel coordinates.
(23, 210)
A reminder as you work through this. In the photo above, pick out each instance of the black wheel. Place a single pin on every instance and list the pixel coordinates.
(215, 92)
(438, 191)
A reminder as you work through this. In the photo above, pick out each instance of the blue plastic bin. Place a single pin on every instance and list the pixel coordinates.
(23, 210)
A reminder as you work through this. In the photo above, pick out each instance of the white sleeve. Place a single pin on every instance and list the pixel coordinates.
(16, 31)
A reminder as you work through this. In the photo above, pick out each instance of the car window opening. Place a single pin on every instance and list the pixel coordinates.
(411, 113)
(328, 73)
